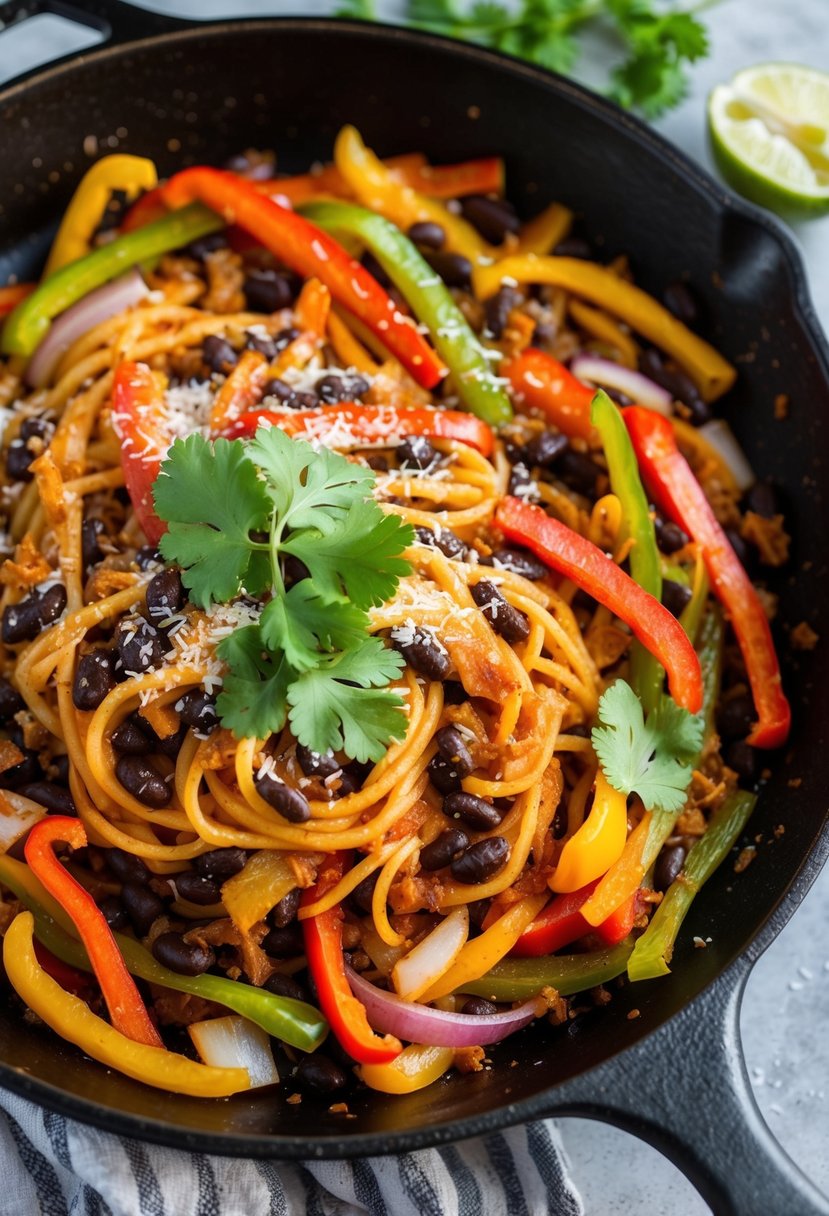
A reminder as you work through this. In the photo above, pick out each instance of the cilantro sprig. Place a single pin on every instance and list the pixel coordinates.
(235, 512)
(653, 758)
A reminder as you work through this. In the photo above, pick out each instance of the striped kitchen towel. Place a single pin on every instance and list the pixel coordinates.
(52, 1166)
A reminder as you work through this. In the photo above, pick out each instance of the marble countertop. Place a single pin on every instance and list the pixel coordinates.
(786, 1005)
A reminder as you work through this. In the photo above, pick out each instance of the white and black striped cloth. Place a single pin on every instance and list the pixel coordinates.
(52, 1166)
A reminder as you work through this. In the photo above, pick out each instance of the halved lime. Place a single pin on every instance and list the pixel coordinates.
(769, 130)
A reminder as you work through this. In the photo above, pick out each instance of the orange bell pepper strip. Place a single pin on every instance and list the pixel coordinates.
(561, 923)
(126, 1009)
(678, 493)
(310, 252)
(543, 385)
(136, 415)
(242, 390)
(312, 307)
(482, 176)
(11, 296)
(598, 843)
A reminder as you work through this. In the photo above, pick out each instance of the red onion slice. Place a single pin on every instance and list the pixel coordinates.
(390, 1014)
(724, 442)
(98, 306)
(607, 374)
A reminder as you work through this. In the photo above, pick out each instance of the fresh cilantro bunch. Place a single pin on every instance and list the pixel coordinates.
(652, 758)
(657, 43)
(235, 512)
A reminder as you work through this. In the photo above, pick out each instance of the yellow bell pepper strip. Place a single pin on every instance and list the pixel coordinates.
(429, 299)
(542, 233)
(74, 1021)
(646, 674)
(130, 174)
(312, 253)
(592, 850)
(518, 979)
(482, 953)
(377, 188)
(30, 321)
(127, 1010)
(416, 1067)
(294, 1022)
(12, 295)
(712, 374)
(652, 952)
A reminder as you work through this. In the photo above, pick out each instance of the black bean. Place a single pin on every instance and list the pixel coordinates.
(521, 483)
(170, 745)
(290, 803)
(91, 530)
(143, 906)
(94, 678)
(220, 864)
(218, 354)
(127, 867)
(52, 603)
(377, 461)
(36, 428)
(56, 798)
(283, 942)
(18, 458)
(142, 779)
(199, 248)
(421, 650)
(286, 395)
(319, 1075)
(735, 717)
(285, 985)
(444, 775)
(129, 739)
(478, 1007)
(186, 958)
(363, 892)
(453, 268)
(350, 780)
(741, 549)
(519, 561)
(60, 769)
(197, 888)
(454, 693)
(676, 382)
(263, 344)
(478, 910)
(574, 247)
(416, 452)
(332, 389)
(197, 709)
(165, 594)
(494, 218)
(267, 291)
(498, 308)
(140, 645)
(370, 263)
(762, 500)
(114, 912)
(284, 913)
(426, 233)
(545, 448)
(675, 596)
(481, 861)
(578, 472)
(444, 849)
(668, 865)
(22, 621)
(514, 452)
(148, 556)
(24, 773)
(742, 757)
(474, 811)
(11, 701)
(452, 746)
(669, 536)
(679, 300)
(316, 764)
(444, 539)
(511, 624)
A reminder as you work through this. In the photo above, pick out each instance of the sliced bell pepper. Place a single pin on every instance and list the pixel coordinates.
(30, 321)
(592, 850)
(69, 977)
(541, 383)
(12, 295)
(137, 417)
(242, 390)
(312, 253)
(323, 936)
(430, 300)
(577, 559)
(484, 176)
(359, 423)
(561, 923)
(518, 979)
(416, 1067)
(543, 232)
(130, 174)
(144, 210)
(678, 493)
(73, 1020)
(127, 1010)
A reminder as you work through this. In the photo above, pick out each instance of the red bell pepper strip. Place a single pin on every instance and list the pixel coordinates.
(371, 423)
(69, 978)
(323, 936)
(577, 559)
(484, 176)
(126, 1009)
(677, 492)
(149, 207)
(136, 410)
(541, 383)
(310, 252)
(11, 296)
(561, 923)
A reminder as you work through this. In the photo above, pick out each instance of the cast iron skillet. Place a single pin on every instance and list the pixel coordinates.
(674, 1074)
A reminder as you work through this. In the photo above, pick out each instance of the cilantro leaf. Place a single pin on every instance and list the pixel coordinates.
(652, 759)
(212, 499)
(253, 700)
(310, 488)
(302, 623)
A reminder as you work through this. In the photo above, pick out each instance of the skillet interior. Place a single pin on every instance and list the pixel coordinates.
(205, 93)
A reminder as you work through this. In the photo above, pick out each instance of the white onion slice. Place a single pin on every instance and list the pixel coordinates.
(607, 374)
(724, 442)
(234, 1042)
(17, 815)
(98, 306)
(429, 959)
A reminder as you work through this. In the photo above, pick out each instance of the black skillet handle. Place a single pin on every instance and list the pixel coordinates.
(685, 1090)
(116, 20)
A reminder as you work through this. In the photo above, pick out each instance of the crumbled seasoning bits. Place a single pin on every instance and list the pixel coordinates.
(294, 1099)
(745, 858)
(701, 942)
(781, 406)
(341, 1108)
(633, 1015)
(469, 1059)
(803, 637)
(794, 783)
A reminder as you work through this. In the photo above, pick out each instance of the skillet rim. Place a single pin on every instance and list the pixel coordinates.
(628, 127)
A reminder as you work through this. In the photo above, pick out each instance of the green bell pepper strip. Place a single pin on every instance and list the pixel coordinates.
(653, 950)
(430, 300)
(293, 1022)
(30, 321)
(518, 979)
(646, 675)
